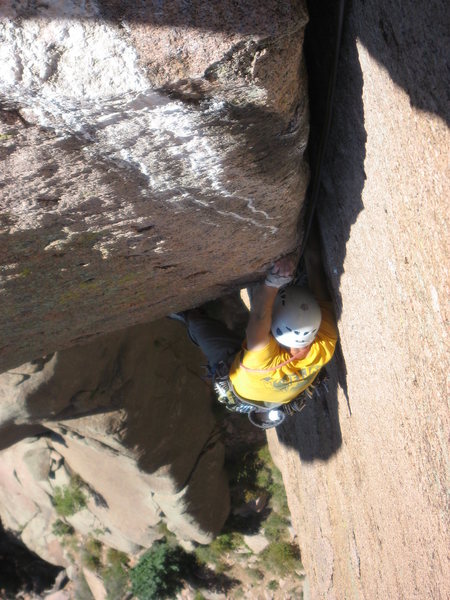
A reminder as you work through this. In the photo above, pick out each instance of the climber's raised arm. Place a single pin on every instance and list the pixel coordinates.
(260, 320)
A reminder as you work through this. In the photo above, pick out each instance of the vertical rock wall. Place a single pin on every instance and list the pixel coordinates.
(366, 469)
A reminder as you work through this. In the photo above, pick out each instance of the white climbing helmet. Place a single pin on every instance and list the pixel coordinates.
(296, 317)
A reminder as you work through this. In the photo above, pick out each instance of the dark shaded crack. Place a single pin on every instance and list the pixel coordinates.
(214, 437)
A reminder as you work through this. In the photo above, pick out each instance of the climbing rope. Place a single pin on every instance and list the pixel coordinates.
(314, 187)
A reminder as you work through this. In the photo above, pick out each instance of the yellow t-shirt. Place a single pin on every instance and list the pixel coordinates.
(282, 385)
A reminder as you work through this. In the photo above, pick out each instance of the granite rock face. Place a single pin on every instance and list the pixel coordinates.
(366, 467)
(131, 415)
(152, 159)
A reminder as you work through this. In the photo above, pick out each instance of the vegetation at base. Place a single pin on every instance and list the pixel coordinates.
(69, 499)
(215, 552)
(61, 528)
(273, 585)
(254, 478)
(270, 479)
(256, 574)
(115, 574)
(70, 544)
(160, 572)
(258, 506)
(281, 558)
(168, 535)
(254, 474)
(275, 527)
(91, 555)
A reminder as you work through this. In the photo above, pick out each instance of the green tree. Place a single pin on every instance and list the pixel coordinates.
(160, 572)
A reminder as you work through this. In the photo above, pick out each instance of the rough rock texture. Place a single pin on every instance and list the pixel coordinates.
(131, 415)
(25, 498)
(138, 143)
(366, 470)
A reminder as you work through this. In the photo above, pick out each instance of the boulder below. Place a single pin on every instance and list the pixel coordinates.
(131, 416)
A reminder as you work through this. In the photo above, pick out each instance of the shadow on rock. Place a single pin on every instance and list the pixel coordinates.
(343, 176)
(22, 570)
(315, 432)
(411, 40)
(207, 578)
(398, 37)
(11, 434)
(394, 33)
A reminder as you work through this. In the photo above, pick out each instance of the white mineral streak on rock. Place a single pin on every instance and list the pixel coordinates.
(159, 247)
(153, 131)
(82, 77)
(122, 155)
(63, 70)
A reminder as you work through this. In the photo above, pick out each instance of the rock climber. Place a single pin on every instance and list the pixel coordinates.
(291, 334)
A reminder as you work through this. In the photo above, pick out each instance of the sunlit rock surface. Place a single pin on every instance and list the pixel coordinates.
(366, 468)
(152, 158)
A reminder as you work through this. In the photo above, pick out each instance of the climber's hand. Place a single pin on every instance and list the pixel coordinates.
(285, 266)
(282, 271)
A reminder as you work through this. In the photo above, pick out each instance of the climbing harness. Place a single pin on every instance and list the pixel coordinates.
(227, 395)
(262, 416)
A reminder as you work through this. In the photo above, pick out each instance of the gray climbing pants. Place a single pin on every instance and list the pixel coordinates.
(216, 341)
